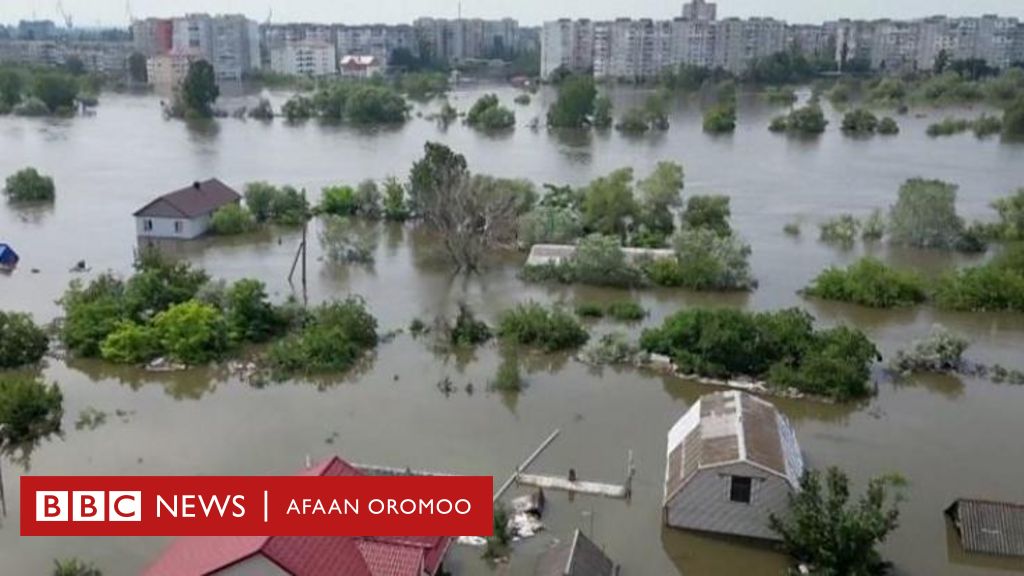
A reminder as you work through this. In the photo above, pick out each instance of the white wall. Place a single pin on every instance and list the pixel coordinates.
(164, 227)
(704, 504)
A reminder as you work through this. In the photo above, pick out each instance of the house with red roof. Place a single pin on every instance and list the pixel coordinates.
(304, 555)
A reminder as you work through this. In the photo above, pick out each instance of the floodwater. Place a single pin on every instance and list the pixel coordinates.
(950, 437)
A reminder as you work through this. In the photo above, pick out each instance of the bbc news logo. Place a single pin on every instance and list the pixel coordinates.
(89, 506)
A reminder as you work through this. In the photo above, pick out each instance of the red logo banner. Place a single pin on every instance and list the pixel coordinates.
(256, 505)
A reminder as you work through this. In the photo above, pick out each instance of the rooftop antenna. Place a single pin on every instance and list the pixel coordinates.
(270, 14)
(128, 10)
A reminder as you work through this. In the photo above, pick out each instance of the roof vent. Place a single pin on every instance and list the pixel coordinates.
(196, 185)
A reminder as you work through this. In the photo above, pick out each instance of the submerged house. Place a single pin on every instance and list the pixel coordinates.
(304, 555)
(733, 461)
(8, 257)
(987, 527)
(578, 557)
(184, 214)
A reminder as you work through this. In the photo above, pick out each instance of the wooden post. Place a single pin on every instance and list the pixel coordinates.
(630, 470)
(529, 460)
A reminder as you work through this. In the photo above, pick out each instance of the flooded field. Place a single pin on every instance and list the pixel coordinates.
(950, 437)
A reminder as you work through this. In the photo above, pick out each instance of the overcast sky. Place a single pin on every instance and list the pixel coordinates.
(528, 12)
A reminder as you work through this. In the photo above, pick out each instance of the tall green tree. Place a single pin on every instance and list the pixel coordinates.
(660, 194)
(56, 90)
(1013, 119)
(609, 206)
(137, 68)
(575, 103)
(924, 215)
(28, 185)
(21, 341)
(834, 536)
(199, 90)
(11, 86)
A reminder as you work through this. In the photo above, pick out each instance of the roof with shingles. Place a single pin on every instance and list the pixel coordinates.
(729, 427)
(989, 527)
(198, 199)
(308, 555)
(580, 557)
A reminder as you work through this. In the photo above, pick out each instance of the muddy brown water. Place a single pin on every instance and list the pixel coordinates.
(950, 437)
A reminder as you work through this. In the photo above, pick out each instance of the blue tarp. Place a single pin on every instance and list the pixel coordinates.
(8, 257)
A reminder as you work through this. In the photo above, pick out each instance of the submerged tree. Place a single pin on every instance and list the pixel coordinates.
(471, 213)
(199, 89)
(834, 536)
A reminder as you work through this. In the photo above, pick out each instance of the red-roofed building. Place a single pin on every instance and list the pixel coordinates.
(304, 555)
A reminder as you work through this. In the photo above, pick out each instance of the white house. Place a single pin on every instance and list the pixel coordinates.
(733, 461)
(186, 213)
(360, 66)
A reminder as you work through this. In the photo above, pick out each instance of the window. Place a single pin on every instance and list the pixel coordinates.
(178, 226)
(147, 225)
(740, 489)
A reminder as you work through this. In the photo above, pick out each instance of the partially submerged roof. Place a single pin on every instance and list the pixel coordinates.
(556, 253)
(730, 427)
(580, 557)
(308, 555)
(7, 254)
(199, 199)
(989, 527)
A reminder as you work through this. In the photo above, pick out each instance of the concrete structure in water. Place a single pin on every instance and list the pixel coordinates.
(184, 214)
(733, 461)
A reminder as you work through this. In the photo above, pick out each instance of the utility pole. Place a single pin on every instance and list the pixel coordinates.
(301, 252)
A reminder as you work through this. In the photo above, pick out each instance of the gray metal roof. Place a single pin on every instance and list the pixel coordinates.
(581, 557)
(989, 527)
(199, 199)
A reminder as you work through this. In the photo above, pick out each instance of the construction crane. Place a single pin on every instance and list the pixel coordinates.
(128, 11)
(68, 22)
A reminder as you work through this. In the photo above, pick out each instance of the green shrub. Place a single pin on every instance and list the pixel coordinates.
(924, 215)
(1010, 227)
(1013, 119)
(159, 283)
(21, 341)
(711, 261)
(395, 207)
(859, 121)
(549, 225)
(720, 119)
(887, 126)
(249, 315)
(534, 325)
(870, 283)
(841, 230)
(710, 211)
(948, 127)
(874, 226)
(467, 330)
(782, 347)
(664, 272)
(487, 113)
(634, 121)
(807, 120)
(779, 124)
(995, 286)
(509, 377)
(298, 107)
(522, 99)
(91, 313)
(589, 310)
(986, 125)
(600, 261)
(339, 201)
(941, 351)
(232, 219)
(286, 206)
(791, 229)
(131, 343)
(28, 185)
(28, 410)
(192, 332)
(31, 107)
(335, 337)
(626, 311)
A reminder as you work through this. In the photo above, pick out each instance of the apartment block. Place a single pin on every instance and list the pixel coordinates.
(313, 58)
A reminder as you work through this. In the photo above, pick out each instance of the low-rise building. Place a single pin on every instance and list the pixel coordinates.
(184, 214)
(732, 461)
(302, 555)
(358, 66)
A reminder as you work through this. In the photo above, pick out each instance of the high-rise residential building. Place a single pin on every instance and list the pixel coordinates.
(377, 40)
(230, 43)
(699, 10)
(312, 58)
(467, 38)
(153, 36)
(36, 30)
(566, 45)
